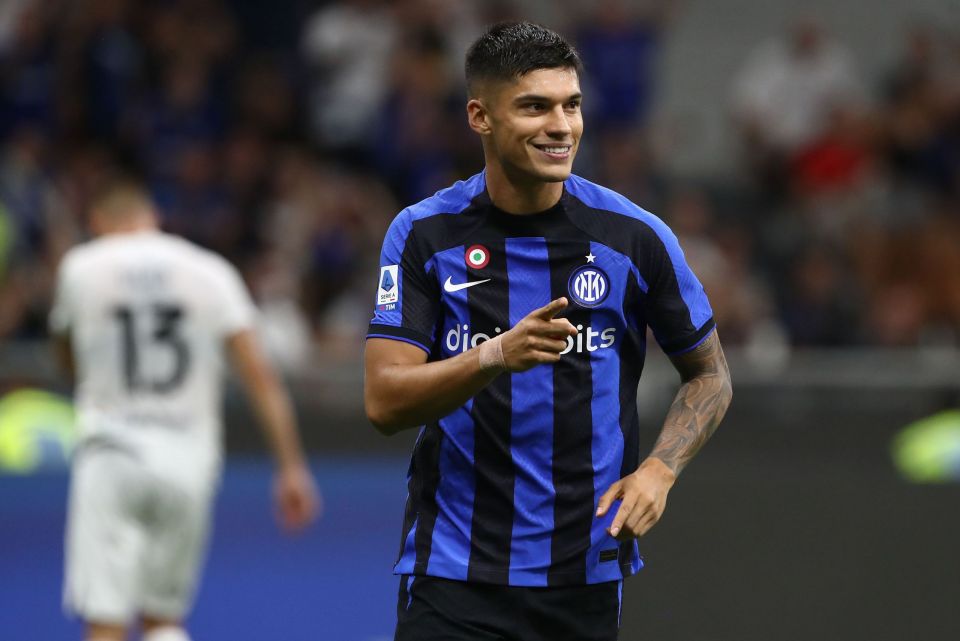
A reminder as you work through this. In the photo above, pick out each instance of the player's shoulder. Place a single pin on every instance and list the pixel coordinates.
(201, 255)
(85, 255)
(603, 198)
(623, 214)
(452, 200)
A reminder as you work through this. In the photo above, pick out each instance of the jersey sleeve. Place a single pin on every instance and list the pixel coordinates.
(237, 311)
(408, 296)
(64, 299)
(678, 310)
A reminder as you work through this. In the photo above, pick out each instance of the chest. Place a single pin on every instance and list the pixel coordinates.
(488, 286)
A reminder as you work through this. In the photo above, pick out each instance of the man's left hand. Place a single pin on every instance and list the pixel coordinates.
(643, 497)
(296, 496)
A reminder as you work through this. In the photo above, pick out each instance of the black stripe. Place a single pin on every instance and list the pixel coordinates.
(572, 432)
(426, 472)
(420, 293)
(632, 352)
(492, 526)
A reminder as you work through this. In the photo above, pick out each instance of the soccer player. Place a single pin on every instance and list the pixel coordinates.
(147, 318)
(510, 326)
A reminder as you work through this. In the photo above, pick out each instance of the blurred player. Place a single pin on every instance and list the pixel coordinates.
(510, 323)
(145, 320)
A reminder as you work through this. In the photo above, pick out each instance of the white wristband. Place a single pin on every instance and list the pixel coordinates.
(491, 355)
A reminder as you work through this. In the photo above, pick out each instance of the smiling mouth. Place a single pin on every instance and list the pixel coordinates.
(555, 150)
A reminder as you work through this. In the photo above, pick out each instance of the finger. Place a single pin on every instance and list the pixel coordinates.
(557, 328)
(637, 516)
(545, 356)
(625, 509)
(646, 524)
(551, 309)
(611, 495)
(544, 344)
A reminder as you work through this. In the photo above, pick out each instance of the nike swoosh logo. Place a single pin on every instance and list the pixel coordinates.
(450, 287)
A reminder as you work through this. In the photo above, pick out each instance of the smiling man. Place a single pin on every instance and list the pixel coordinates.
(510, 329)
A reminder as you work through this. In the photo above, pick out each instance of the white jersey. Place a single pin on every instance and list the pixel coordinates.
(148, 315)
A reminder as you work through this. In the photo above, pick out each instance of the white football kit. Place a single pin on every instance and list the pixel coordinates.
(148, 315)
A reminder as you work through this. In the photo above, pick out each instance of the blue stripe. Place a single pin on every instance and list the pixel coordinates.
(691, 291)
(410, 580)
(409, 555)
(531, 437)
(451, 532)
(607, 440)
(451, 200)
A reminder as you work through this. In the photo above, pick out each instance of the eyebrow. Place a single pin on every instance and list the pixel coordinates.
(530, 97)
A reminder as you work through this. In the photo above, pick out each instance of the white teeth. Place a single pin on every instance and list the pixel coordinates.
(556, 150)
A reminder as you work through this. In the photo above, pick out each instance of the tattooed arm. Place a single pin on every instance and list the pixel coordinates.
(697, 410)
(698, 407)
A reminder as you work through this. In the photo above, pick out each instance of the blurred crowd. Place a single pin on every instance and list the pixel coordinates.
(287, 140)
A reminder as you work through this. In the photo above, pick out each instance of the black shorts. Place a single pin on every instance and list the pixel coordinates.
(433, 609)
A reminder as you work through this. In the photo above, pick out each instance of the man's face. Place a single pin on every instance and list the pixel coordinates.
(535, 124)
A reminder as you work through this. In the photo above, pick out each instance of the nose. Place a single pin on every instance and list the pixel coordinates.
(558, 124)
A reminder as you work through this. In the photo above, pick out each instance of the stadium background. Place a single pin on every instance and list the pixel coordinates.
(816, 193)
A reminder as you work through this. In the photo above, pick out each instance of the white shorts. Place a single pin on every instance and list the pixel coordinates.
(134, 543)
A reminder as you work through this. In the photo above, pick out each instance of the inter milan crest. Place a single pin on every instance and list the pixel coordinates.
(588, 286)
(477, 256)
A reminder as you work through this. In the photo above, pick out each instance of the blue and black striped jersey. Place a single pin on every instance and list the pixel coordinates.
(504, 490)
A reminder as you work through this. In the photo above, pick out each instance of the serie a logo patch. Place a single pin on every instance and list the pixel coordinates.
(388, 291)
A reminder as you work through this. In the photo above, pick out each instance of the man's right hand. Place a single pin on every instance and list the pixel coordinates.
(538, 338)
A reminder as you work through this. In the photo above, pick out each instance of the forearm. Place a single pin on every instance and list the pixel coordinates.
(269, 398)
(278, 423)
(401, 396)
(402, 390)
(698, 407)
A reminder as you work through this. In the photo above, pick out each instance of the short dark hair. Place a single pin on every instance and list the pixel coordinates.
(121, 196)
(510, 50)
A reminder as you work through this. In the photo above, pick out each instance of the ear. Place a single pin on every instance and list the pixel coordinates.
(478, 117)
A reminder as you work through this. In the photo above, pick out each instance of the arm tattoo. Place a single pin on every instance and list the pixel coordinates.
(699, 405)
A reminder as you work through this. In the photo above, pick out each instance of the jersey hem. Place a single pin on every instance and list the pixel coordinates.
(378, 330)
(691, 342)
(517, 578)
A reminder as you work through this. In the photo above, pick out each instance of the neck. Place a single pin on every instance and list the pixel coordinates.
(520, 195)
(130, 226)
